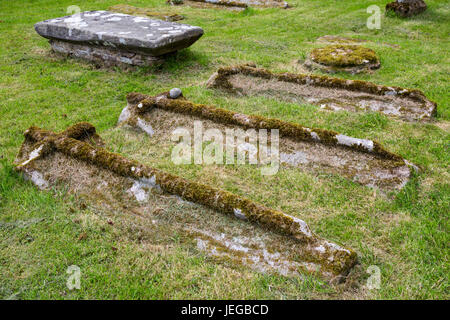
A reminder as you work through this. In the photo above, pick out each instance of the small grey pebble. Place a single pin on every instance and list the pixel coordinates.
(174, 93)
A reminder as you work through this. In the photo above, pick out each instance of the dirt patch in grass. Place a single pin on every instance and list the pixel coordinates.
(444, 125)
(271, 242)
(326, 92)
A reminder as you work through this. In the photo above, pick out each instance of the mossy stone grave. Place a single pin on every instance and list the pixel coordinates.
(328, 93)
(110, 38)
(343, 58)
(224, 225)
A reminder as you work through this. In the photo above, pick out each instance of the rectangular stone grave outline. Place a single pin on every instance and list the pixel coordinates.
(81, 142)
(139, 105)
(117, 38)
(242, 5)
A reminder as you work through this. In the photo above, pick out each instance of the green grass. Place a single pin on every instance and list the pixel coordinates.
(406, 234)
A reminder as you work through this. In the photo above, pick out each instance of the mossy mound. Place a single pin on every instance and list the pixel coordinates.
(340, 57)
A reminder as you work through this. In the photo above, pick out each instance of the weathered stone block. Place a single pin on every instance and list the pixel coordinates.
(117, 34)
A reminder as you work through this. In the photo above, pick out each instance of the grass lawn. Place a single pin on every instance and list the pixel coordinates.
(405, 234)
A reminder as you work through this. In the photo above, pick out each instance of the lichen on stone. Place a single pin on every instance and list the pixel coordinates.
(344, 55)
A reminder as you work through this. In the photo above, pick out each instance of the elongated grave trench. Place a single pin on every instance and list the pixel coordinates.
(326, 92)
(313, 150)
(223, 224)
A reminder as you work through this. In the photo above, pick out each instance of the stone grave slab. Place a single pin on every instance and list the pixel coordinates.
(117, 38)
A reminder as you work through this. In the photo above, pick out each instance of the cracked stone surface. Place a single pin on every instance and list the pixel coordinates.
(120, 32)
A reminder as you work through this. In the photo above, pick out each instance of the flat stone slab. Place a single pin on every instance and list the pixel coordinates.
(120, 31)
